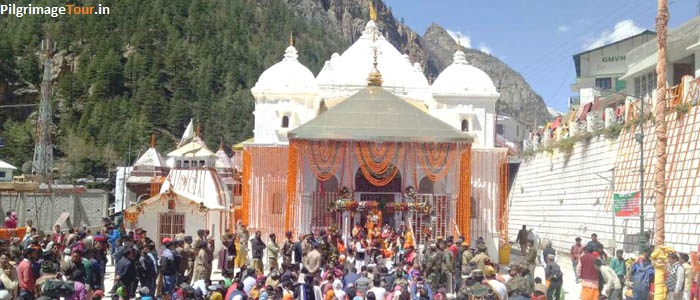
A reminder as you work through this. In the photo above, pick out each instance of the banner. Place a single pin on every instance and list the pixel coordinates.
(627, 204)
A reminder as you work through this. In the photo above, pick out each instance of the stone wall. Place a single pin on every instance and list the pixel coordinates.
(563, 195)
(86, 207)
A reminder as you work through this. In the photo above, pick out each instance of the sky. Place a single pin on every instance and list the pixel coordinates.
(538, 38)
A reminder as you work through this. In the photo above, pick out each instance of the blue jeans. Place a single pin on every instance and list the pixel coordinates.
(168, 284)
(26, 295)
(575, 263)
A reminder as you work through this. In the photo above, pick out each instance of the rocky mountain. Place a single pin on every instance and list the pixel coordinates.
(434, 50)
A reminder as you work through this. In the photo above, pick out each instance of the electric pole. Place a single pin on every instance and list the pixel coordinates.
(659, 260)
(42, 165)
(660, 129)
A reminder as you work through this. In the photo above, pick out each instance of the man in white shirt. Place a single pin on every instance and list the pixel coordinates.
(612, 288)
(359, 253)
(249, 281)
(377, 289)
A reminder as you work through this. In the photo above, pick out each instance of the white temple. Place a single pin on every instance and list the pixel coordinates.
(288, 95)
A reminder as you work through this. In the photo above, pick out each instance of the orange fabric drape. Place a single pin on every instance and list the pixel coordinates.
(503, 200)
(245, 193)
(436, 159)
(379, 163)
(323, 157)
(464, 200)
(291, 187)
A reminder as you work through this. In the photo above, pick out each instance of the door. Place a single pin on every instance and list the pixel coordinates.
(170, 224)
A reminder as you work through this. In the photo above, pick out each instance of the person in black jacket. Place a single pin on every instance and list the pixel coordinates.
(147, 270)
(126, 272)
(257, 247)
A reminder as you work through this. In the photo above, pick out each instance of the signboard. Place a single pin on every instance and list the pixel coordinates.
(626, 204)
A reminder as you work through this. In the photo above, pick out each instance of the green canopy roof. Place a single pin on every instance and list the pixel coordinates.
(374, 114)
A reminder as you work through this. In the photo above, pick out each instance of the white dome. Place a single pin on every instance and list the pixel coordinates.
(350, 70)
(288, 75)
(462, 79)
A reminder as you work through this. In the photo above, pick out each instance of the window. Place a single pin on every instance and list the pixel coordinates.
(465, 125)
(2, 174)
(178, 164)
(645, 84)
(202, 163)
(285, 122)
(499, 129)
(277, 203)
(186, 164)
(603, 83)
(170, 224)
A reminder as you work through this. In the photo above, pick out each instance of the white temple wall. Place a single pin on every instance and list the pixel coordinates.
(563, 198)
(485, 192)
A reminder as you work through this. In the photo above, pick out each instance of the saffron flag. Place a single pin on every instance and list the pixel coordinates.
(627, 204)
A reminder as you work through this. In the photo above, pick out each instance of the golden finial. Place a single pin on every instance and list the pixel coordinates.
(291, 38)
(375, 78)
(459, 43)
(153, 140)
(372, 12)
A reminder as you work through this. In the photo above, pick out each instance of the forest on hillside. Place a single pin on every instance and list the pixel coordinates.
(147, 68)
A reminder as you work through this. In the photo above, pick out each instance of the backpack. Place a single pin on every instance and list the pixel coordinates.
(482, 291)
(55, 288)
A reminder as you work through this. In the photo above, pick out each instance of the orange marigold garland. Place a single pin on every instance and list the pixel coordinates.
(436, 159)
(245, 192)
(291, 187)
(379, 162)
(324, 158)
(464, 201)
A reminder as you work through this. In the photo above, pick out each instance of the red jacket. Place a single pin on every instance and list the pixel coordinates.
(588, 272)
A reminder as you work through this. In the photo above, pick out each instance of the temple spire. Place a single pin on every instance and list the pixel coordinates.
(153, 140)
(375, 78)
(291, 38)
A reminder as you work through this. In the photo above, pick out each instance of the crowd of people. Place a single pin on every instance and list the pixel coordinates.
(372, 263)
(612, 277)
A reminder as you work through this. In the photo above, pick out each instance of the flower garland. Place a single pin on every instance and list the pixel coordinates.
(436, 159)
(379, 161)
(363, 206)
(323, 157)
(245, 189)
(464, 200)
(291, 186)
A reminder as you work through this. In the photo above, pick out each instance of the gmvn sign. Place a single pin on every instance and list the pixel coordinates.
(613, 58)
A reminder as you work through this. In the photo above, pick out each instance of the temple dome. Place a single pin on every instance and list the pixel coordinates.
(286, 76)
(350, 70)
(462, 79)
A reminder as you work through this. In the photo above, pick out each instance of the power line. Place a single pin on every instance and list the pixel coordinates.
(17, 105)
(564, 79)
(568, 45)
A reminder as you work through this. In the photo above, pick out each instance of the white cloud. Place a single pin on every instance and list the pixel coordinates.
(622, 30)
(460, 38)
(484, 48)
(563, 28)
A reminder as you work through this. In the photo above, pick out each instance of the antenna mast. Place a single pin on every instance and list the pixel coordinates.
(42, 165)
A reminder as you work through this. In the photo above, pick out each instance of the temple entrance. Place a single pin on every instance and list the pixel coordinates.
(383, 195)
